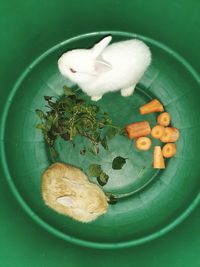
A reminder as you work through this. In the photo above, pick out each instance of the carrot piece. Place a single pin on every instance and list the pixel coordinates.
(169, 150)
(164, 119)
(158, 162)
(157, 131)
(143, 143)
(171, 134)
(138, 129)
(152, 106)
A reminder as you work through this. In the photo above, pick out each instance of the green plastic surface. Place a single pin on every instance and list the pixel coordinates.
(32, 37)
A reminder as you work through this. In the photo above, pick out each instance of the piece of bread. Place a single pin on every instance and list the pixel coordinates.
(67, 190)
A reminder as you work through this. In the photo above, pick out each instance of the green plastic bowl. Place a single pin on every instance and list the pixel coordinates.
(151, 202)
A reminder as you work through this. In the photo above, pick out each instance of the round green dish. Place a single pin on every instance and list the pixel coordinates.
(156, 201)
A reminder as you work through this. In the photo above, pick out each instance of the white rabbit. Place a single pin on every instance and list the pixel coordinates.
(105, 68)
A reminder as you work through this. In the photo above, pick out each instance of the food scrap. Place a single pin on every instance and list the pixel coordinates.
(162, 131)
(143, 143)
(169, 150)
(153, 106)
(171, 134)
(164, 119)
(157, 131)
(158, 160)
(138, 129)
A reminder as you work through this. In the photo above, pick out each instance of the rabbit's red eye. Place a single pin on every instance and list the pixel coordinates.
(72, 70)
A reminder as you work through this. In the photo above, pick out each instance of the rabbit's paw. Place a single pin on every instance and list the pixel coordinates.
(96, 97)
(128, 91)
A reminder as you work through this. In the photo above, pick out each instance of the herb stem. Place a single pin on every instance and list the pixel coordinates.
(92, 140)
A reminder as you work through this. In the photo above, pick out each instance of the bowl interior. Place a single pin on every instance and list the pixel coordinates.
(158, 198)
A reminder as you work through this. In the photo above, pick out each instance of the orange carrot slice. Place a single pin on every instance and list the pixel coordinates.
(138, 129)
(171, 134)
(157, 131)
(164, 119)
(143, 143)
(158, 162)
(169, 150)
(152, 106)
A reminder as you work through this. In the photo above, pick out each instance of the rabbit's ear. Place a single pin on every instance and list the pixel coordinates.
(66, 201)
(102, 66)
(100, 46)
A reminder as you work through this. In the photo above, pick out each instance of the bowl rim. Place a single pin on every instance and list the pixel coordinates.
(100, 245)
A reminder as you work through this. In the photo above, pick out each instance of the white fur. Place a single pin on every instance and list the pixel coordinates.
(106, 68)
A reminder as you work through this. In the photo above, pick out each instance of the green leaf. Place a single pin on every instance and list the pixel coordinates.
(104, 143)
(79, 129)
(40, 126)
(80, 101)
(47, 98)
(68, 91)
(54, 154)
(72, 133)
(94, 149)
(94, 170)
(123, 131)
(103, 178)
(118, 163)
(95, 108)
(52, 104)
(40, 114)
(111, 132)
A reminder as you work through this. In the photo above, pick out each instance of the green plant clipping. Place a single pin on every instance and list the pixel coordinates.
(95, 170)
(68, 91)
(70, 116)
(118, 163)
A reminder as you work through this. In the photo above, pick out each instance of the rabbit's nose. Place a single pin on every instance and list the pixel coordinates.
(72, 70)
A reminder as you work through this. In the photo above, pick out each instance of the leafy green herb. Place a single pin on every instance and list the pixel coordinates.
(118, 163)
(40, 113)
(103, 178)
(95, 170)
(104, 143)
(40, 126)
(68, 91)
(54, 153)
(70, 116)
(112, 131)
(94, 150)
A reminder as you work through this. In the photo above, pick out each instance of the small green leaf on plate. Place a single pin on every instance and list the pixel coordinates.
(94, 170)
(104, 143)
(54, 154)
(40, 126)
(103, 178)
(68, 91)
(40, 113)
(47, 98)
(118, 163)
(94, 149)
(111, 132)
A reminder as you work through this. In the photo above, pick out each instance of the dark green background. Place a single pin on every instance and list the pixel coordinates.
(36, 26)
